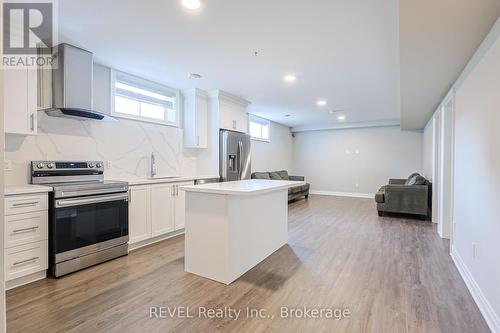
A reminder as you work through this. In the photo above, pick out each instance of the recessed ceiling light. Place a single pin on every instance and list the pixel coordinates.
(287, 115)
(290, 78)
(341, 117)
(321, 102)
(191, 4)
(195, 76)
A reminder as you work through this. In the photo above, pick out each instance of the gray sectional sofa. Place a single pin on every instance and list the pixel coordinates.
(294, 192)
(406, 196)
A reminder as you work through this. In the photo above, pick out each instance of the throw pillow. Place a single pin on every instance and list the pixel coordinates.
(283, 174)
(260, 175)
(417, 180)
(411, 179)
(274, 176)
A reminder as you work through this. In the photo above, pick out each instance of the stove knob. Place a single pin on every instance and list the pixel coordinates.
(99, 165)
(50, 165)
(91, 165)
(40, 165)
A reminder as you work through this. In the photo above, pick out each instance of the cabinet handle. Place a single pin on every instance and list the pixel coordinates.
(177, 190)
(24, 204)
(24, 230)
(24, 261)
(32, 122)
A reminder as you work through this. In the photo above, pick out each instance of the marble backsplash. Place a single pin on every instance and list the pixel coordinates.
(127, 144)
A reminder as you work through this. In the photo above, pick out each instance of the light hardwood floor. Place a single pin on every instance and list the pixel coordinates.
(394, 275)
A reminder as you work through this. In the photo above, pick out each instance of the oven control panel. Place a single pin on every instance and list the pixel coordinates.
(67, 165)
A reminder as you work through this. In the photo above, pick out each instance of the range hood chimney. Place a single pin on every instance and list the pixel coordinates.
(72, 84)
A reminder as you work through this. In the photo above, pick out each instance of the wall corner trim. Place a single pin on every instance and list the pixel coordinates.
(484, 306)
(344, 194)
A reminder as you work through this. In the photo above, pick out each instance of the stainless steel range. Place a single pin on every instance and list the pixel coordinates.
(88, 217)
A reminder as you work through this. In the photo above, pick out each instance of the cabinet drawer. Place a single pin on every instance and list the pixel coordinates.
(19, 204)
(25, 228)
(26, 259)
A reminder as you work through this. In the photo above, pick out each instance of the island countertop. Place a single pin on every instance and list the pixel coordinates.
(243, 187)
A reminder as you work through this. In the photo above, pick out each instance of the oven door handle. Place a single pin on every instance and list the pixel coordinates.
(90, 200)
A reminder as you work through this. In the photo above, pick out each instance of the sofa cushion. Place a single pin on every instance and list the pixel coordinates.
(304, 187)
(296, 189)
(283, 174)
(275, 176)
(260, 175)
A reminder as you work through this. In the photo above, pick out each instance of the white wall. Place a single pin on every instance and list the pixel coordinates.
(428, 150)
(477, 182)
(356, 160)
(276, 154)
(127, 144)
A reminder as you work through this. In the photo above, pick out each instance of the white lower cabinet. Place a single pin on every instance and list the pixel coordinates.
(139, 227)
(180, 207)
(162, 208)
(155, 210)
(26, 259)
(25, 238)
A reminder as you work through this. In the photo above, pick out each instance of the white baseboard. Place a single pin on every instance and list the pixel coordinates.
(344, 194)
(21, 281)
(149, 241)
(484, 306)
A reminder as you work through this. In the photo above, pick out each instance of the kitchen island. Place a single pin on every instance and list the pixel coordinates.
(232, 226)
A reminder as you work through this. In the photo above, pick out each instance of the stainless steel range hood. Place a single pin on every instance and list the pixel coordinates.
(72, 84)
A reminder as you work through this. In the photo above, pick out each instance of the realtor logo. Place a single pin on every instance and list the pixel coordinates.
(29, 33)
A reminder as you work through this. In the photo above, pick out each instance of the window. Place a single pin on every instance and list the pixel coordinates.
(258, 128)
(139, 99)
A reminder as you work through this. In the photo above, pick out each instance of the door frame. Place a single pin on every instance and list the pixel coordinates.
(3, 320)
(446, 167)
(436, 160)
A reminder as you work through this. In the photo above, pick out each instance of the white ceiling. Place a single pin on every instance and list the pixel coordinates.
(345, 51)
(438, 37)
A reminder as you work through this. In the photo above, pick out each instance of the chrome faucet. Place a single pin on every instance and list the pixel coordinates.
(152, 171)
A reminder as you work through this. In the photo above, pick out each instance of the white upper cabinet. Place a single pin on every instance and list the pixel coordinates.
(195, 118)
(20, 101)
(231, 109)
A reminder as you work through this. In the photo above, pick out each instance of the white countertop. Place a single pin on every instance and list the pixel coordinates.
(159, 179)
(26, 189)
(243, 187)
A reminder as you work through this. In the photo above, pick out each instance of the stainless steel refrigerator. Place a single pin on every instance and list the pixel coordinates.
(235, 155)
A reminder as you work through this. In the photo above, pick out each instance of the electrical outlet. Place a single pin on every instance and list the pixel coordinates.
(109, 164)
(8, 165)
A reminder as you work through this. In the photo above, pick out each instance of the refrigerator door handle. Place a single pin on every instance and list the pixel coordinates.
(240, 159)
